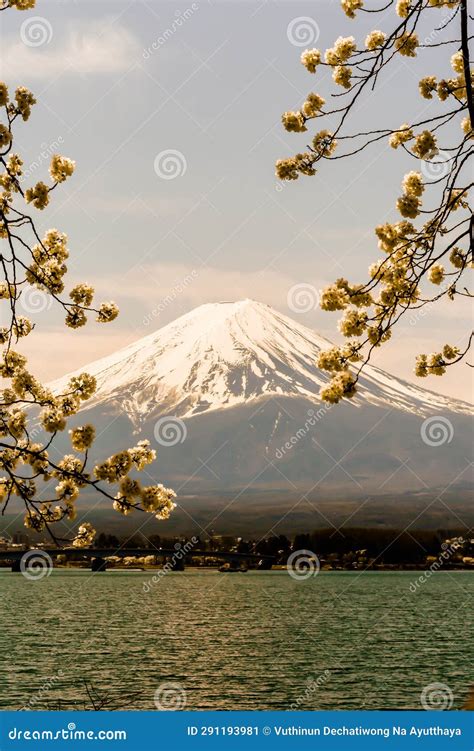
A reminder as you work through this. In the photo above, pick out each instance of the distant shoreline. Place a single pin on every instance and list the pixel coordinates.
(277, 568)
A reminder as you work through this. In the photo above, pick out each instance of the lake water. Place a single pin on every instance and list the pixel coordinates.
(261, 640)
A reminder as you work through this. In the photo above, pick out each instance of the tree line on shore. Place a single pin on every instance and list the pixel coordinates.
(388, 546)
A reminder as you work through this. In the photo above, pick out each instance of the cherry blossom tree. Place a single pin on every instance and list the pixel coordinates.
(429, 250)
(49, 489)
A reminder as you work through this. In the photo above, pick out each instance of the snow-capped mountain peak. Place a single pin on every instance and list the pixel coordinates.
(224, 354)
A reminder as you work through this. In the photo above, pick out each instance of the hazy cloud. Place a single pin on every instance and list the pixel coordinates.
(79, 50)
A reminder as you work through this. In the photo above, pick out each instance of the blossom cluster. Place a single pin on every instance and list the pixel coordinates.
(409, 203)
(435, 364)
(412, 255)
(69, 472)
(47, 265)
(375, 40)
(28, 468)
(154, 499)
(367, 316)
(449, 87)
(19, 4)
(407, 44)
(351, 6)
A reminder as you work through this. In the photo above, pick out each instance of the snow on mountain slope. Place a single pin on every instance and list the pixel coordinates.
(225, 354)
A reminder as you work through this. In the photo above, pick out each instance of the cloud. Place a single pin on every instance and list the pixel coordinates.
(79, 50)
(165, 291)
(148, 205)
(55, 351)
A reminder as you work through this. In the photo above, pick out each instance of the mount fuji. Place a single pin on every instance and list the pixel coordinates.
(229, 396)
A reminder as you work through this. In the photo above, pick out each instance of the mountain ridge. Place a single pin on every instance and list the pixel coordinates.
(225, 354)
(229, 396)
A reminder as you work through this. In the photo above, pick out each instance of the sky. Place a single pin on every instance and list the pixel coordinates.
(172, 111)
